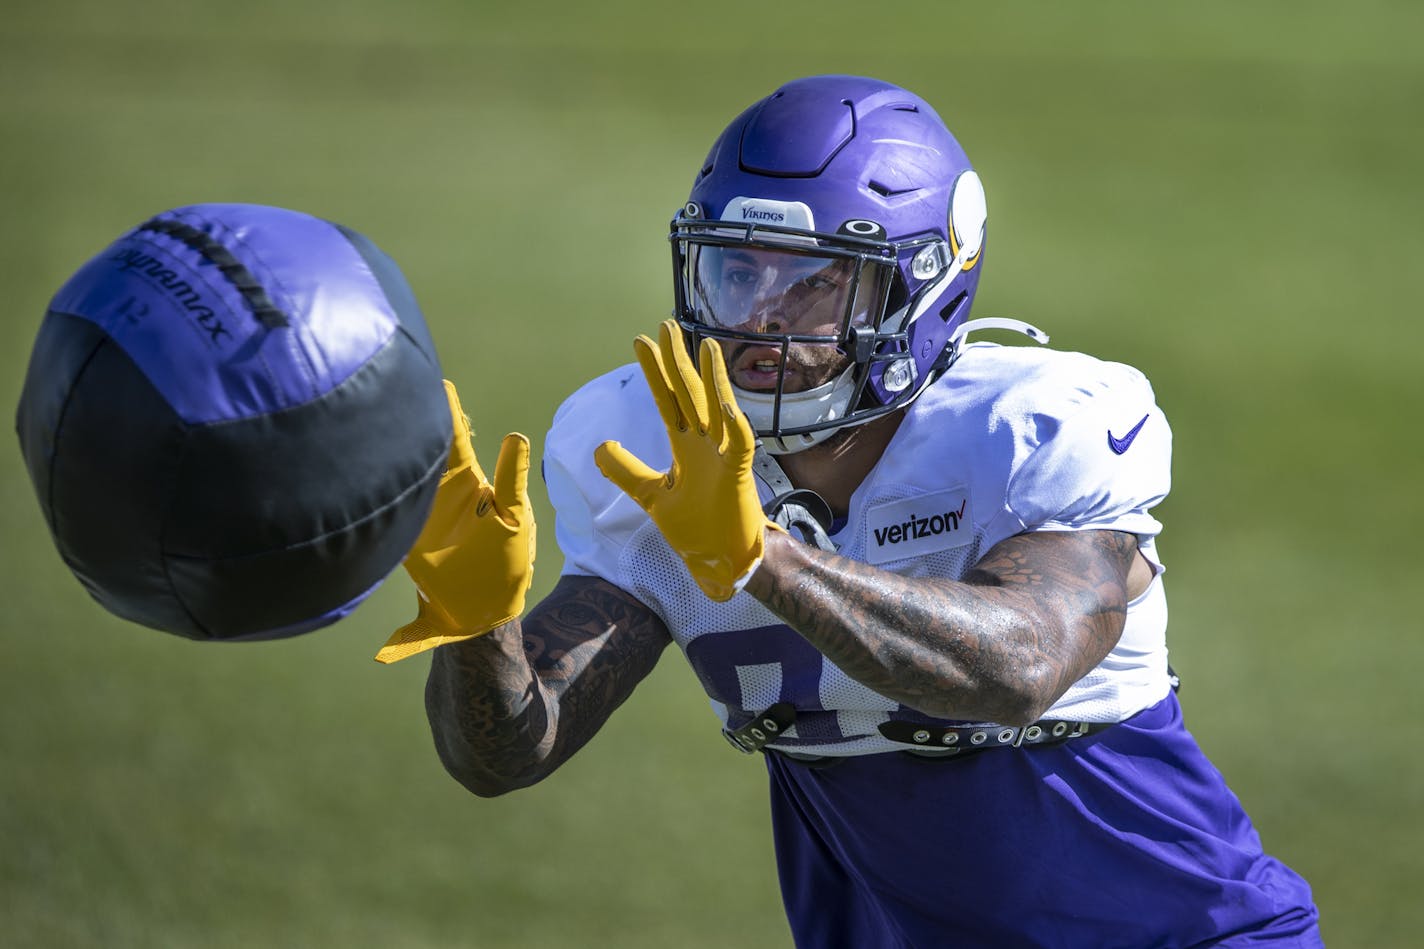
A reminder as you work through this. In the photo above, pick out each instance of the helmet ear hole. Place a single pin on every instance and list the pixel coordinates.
(947, 312)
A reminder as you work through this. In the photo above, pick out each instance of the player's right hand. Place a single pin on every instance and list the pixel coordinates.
(706, 504)
(474, 561)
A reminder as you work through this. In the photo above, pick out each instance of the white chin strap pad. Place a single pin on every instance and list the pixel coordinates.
(826, 402)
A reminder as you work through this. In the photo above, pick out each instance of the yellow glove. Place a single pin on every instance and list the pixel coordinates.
(706, 504)
(474, 560)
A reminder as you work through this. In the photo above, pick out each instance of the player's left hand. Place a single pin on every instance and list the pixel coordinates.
(706, 504)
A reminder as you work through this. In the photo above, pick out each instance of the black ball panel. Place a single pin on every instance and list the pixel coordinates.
(115, 460)
(281, 479)
(63, 347)
(254, 597)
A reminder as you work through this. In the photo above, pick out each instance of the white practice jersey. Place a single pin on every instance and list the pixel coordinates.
(1011, 439)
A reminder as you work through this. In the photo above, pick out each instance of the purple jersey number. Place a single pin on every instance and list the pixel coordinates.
(750, 670)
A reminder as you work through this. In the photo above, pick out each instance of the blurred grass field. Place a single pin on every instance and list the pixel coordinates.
(1226, 195)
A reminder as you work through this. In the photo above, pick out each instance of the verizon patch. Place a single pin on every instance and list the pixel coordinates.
(917, 526)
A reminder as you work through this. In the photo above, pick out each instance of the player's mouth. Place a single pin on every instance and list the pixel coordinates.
(757, 368)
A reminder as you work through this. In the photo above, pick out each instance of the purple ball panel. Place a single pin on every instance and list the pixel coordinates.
(315, 276)
(193, 334)
(397, 291)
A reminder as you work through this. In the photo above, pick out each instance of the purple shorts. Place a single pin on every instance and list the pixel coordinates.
(1128, 837)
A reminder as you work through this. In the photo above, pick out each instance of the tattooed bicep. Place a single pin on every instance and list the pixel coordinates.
(590, 644)
(1055, 558)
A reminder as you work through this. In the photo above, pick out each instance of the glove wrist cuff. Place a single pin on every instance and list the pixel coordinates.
(421, 635)
(758, 553)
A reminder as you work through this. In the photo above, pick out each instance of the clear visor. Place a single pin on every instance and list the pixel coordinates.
(783, 292)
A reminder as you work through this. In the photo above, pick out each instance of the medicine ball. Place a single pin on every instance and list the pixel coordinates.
(234, 421)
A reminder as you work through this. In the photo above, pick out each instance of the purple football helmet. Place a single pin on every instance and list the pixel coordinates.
(838, 216)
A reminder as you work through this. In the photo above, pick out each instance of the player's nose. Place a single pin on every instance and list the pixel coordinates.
(768, 316)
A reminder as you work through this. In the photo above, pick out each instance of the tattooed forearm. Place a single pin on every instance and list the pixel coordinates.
(591, 644)
(509, 707)
(487, 711)
(1033, 616)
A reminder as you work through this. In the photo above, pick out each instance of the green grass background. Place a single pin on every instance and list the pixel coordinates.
(1225, 194)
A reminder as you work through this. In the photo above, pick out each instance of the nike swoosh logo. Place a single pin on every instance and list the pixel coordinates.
(1120, 445)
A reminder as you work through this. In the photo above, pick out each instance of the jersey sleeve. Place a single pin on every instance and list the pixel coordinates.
(1102, 458)
(593, 519)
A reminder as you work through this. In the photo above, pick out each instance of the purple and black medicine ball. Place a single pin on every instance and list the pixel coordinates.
(234, 421)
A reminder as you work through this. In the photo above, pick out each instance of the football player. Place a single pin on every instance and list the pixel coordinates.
(917, 574)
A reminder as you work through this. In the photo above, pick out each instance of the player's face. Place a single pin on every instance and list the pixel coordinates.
(779, 293)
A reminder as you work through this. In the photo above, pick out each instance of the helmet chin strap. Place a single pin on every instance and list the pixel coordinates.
(997, 323)
(792, 507)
